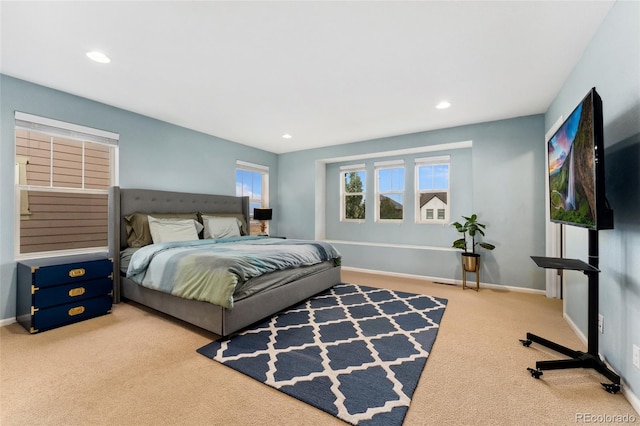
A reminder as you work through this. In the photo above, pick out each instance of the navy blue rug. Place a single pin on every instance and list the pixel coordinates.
(355, 352)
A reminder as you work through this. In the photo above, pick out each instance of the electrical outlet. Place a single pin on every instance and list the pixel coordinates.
(600, 323)
(636, 356)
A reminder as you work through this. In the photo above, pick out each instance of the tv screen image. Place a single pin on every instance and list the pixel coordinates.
(576, 166)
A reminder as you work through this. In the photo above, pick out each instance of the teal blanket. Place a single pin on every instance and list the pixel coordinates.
(210, 270)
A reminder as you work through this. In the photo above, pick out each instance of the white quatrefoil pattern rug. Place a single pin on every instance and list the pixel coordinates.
(355, 352)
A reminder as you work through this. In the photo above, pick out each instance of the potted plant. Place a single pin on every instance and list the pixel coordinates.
(470, 228)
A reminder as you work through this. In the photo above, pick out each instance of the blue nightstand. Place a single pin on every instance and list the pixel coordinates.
(57, 291)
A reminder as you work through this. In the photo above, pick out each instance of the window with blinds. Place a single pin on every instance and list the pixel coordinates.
(63, 175)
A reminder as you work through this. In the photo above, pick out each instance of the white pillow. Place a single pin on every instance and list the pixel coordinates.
(169, 230)
(221, 226)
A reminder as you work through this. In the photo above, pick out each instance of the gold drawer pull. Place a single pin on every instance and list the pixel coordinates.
(76, 292)
(77, 272)
(76, 311)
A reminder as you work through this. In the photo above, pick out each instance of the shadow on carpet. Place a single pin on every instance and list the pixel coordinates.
(355, 352)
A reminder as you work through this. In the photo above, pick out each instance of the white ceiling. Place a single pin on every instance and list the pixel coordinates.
(325, 72)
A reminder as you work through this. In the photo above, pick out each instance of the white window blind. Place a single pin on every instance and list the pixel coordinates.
(63, 129)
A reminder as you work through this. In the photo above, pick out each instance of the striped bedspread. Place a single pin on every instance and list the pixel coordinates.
(210, 270)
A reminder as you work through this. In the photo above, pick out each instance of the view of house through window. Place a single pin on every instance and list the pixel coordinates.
(252, 180)
(432, 189)
(390, 190)
(62, 179)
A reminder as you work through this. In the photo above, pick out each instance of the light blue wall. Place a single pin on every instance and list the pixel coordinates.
(507, 192)
(153, 154)
(611, 63)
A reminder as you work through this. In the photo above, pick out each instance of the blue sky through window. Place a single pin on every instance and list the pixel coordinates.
(391, 180)
(249, 184)
(433, 176)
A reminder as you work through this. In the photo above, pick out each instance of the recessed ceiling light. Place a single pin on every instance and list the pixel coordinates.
(98, 57)
(443, 105)
(287, 136)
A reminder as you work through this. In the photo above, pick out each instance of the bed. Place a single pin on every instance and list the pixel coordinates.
(215, 318)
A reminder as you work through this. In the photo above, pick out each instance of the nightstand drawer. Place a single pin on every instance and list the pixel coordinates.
(71, 293)
(44, 276)
(44, 319)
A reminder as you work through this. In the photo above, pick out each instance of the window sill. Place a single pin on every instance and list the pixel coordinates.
(390, 245)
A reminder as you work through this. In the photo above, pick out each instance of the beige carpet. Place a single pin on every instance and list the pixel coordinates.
(136, 367)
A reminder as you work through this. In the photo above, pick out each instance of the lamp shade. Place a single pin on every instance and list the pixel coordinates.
(262, 214)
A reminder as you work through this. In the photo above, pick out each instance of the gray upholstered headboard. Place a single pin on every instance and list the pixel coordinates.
(124, 201)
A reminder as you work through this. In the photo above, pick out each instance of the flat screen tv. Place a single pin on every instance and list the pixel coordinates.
(576, 168)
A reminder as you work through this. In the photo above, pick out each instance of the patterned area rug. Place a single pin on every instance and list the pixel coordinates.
(355, 352)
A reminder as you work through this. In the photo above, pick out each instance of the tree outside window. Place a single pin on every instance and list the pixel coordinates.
(354, 189)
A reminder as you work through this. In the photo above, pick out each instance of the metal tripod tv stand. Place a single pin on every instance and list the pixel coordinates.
(577, 359)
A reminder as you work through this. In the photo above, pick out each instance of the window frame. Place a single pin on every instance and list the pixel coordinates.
(344, 194)
(68, 131)
(389, 165)
(432, 161)
(264, 196)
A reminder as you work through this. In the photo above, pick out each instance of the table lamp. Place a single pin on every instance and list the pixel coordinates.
(262, 215)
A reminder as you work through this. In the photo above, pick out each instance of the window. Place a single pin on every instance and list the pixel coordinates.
(63, 174)
(252, 180)
(353, 188)
(432, 189)
(389, 190)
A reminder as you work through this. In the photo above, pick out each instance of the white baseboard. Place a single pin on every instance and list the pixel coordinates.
(443, 280)
(575, 329)
(631, 397)
(7, 321)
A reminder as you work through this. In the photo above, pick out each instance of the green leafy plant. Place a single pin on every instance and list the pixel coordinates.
(354, 204)
(470, 228)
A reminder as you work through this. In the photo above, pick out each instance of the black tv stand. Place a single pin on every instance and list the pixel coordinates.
(577, 359)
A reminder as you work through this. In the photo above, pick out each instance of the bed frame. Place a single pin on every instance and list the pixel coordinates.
(214, 318)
